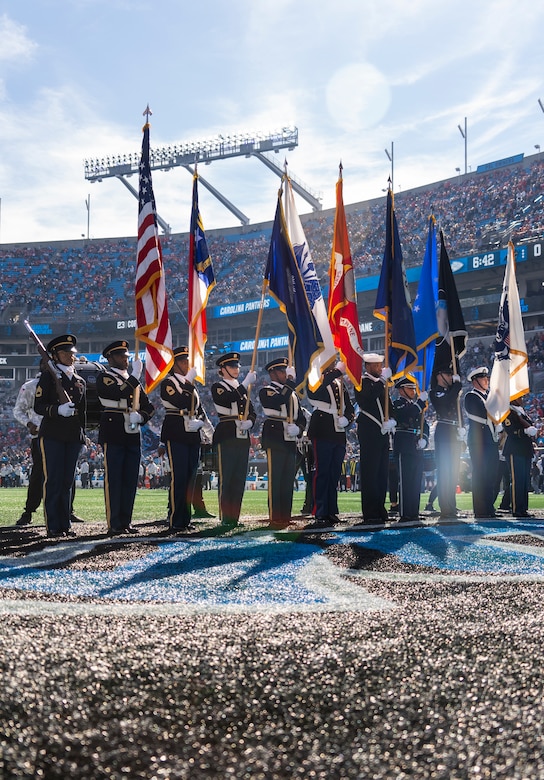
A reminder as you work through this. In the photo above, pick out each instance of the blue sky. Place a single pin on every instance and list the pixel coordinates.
(352, 75)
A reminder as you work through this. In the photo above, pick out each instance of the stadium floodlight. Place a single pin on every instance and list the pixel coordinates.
(186, 155)
(465, 136)
(458, 171)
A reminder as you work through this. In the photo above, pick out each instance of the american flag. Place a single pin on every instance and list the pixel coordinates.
(152, 323)
(201, 283)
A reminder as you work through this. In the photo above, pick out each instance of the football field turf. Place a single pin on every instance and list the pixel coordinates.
(394, 652)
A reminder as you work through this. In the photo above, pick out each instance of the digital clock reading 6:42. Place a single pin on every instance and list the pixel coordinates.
(483, 261)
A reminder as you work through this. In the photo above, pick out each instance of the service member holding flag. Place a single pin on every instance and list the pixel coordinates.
(126, 408)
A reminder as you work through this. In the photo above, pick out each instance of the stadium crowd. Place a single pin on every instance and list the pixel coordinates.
(475, 211)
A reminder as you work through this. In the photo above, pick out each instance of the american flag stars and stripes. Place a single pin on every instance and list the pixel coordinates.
(152, 322)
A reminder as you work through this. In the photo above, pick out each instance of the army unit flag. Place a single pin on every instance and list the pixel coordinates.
(509, 376)
(327, 355)
(343, 318)
(393, 304)
(201, 283)
(152, 323)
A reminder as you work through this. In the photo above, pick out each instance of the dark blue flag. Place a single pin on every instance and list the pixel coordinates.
(393, 300)
(451, 343)
(287, 287)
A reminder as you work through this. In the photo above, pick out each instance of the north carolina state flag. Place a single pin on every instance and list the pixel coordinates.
(343, 317)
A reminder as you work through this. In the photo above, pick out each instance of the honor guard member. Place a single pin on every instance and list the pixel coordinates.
(232, 434)
(333, 413)
(62, 405)
(24, 413)
(374, 441)
(408, 445)
(180, 433)
(519, 451)
(449, 437)
(482, 444)
(284, 423)
(125, 408)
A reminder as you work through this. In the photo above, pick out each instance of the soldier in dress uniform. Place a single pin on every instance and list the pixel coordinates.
(333, 413)
(449, 437)
(284, 423)
(519, 452)
(408, 445)
(181, 434)
(232, 434)
(482, 444)
(374, 441)
(125, 408)
(61, 434)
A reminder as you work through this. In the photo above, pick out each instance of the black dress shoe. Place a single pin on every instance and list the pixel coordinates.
(69, 533)
(25, 519)
(130, 530)
(183, 529)
(319, 522)
(334, 519)
(201, 513)
(115, 532)
(76, 519)
(54, 534)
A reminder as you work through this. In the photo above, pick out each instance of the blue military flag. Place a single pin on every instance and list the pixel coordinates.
(284, 280)
(424, 310)
(451, 343)
(393, 304)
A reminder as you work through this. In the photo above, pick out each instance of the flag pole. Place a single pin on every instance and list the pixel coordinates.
(255, 346)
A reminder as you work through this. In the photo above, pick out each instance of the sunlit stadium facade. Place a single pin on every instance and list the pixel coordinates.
(239, 254)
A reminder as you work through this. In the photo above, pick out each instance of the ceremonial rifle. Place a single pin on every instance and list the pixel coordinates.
(62, 395)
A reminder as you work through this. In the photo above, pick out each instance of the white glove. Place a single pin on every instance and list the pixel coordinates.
(135, 418)
(462, 434)
(67, 410)
(386, 373)
(421, 444)
(293, 429)
(190, 375)
(245, 425)
(456, 378)
(194, 425)
(423, 396)
(389, 426)
(531, 430)
(343, 422)
(340, 366)
(290, 372)
(251, 376)
(499, 428)
(517, 409)
(137, 366)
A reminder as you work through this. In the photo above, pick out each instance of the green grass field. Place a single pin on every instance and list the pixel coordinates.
(151, 504)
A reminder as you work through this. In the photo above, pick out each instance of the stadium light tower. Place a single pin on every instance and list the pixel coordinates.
(391, 157)
(186, 155)
(465, 137)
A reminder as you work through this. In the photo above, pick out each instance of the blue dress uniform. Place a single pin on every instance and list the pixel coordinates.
(61, 434)
(447, 444)
(482, 445)
(282, 409)
(181, 434)
(518, 451)
(373, 444)
(332, 407)
(119, 438)
(231, 437)
(408, 452)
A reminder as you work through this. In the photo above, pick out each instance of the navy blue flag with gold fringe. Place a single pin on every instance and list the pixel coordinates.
(285, 284)
(393, 304)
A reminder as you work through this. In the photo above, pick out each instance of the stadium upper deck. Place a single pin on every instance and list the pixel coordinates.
(479, 212)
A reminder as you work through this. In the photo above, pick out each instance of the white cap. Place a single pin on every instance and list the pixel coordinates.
(476, 373)
(373, 357)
